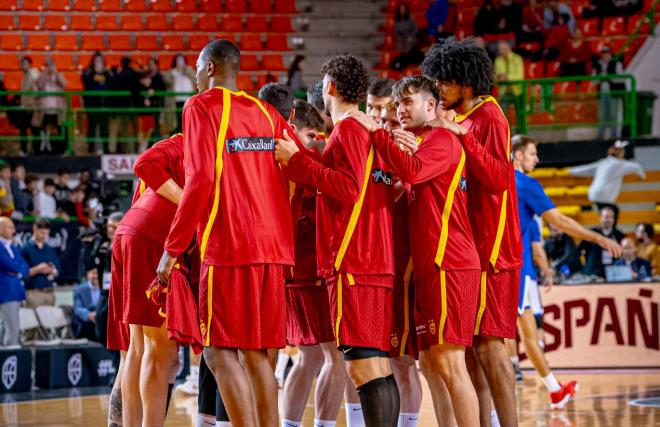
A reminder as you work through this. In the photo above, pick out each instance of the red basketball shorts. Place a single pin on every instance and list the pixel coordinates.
(134, 262)
(403, 338)
(118, 335)
(498, 304)
(308, 314)
(445, 307)
(242, 307)
(361, 310)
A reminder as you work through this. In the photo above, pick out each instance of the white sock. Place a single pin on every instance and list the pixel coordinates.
(205, 420)
(551, 383)
(322, 423)
(542, 344)
(194, 371)
(515, 360)
(354, 417)
(287, 423)
(494, 421)
(408, 419)
(222, 424)
(280, 367)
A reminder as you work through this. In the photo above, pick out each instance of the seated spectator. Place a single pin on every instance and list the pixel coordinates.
(640, 267)
(45, 204)
(562, 252)
(555, 10)
(436, 16)
(88, 183)
(62, 189)
(596, 259)
(75, 207)
(6, 197)
(405, 29)
(498, 17)
(603, 8)
(646, 248)
(17, 186)
(29, 193)
(509, 66)
(555, 39)
(13, 269)
(576, 56)
(44, 266)
(531, 29)
(85, 298)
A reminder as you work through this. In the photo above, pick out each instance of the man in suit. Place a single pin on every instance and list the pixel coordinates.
(13, 269)
(85, 298)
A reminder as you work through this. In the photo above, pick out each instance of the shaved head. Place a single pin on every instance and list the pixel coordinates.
(7, 229)
(220, 60)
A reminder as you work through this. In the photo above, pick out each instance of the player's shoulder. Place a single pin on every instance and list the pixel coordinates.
(204, 99)
(442, 134)
(490, 111)
(351, 126)
(526, 181)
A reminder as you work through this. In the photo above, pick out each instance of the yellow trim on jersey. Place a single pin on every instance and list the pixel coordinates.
(460, 117)
(482, 303)
(339, 309)
(261, 107)
(446, 211)
(355, 214)
(209, 306)
(494, 255)
(443, 302)
(143, 187)
(407, 276)
(351, 280)
(220, 146)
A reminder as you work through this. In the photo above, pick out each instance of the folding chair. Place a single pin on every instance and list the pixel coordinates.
(29, 325)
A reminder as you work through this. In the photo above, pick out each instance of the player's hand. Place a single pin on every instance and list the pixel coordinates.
(443, 123)
(406, 140)
(548, 280)
(285, 149)
(367, 122)
(165, 267)
(610, 245)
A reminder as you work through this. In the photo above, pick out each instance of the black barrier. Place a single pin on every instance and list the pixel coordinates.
(16, 369)
(73, 366)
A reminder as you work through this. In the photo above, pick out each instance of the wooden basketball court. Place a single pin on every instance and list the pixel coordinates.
(606, 398)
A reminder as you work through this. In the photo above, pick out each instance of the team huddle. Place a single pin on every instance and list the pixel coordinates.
(369, 241)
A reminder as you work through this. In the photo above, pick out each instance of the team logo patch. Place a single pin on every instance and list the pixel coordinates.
(381, 176)
(254, 143)
(394, 341)
(74, 369)
(202, 328)
(432, 327)
(463, 184)
(9, 372)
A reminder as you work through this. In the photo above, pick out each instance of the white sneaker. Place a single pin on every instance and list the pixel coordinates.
(190, 386)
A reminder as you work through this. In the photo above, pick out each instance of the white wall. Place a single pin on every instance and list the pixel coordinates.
(646, 68)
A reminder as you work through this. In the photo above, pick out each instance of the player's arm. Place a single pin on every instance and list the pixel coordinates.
(541, 259)
(153, 165)
(584, 170)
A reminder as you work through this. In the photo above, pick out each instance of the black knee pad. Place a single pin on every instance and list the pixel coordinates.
(359, 353)
(207, 390)
(539, 321)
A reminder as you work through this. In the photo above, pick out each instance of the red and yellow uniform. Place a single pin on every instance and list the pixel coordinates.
(493, 205)
(445, 259)
(236, 198)
(354, 234)
(141, 234)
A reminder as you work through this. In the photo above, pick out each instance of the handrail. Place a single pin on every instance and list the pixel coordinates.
(650, 15)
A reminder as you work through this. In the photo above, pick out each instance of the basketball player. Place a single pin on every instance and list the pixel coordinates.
(378, 95)
(354, 242)
(315, 98)
(445, 259)
(279, 96)
(236, 197)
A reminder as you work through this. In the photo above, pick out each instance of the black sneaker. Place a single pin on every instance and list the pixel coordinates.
(518, 372)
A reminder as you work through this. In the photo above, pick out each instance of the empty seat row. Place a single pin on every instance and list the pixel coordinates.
(214, 6)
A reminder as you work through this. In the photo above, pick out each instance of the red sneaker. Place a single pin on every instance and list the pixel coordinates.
(560, 398)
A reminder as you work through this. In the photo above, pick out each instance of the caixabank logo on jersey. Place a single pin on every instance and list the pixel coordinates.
(380, 176)
(250, 144)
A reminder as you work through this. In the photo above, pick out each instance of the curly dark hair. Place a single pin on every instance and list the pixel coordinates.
(315, 95)
(412, 85)
(350, 76)
(460, 61)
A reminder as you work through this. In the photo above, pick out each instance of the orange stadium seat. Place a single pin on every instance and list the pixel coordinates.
(38, 60)
(273, 63)
(63, 61)
(132, 22)
(207, 23)
(186, 6)
(38, 42)
(191, 59)
(84, 5)
(281, 24)
(251, 42)
(107, 23)
(261, 6)
(146, 42)
(236, 6)
(7, 22)
(13, 80)
(8, 4)
(165, 60)
(136, 5)
(278, 42)
(110, 5)
(257, 24)
(211, 6)
(245, 83)
(60, 5)
(183, 22)
(93, 42)
(590, 27)
(55, 22)
(120, 42)
(73, 80)
(29, 22)
(113, 59)
(285, 6)
(36, 5)
(81, 22)
(231, 23)
(614, 26)
(157, 22)
(11, 42)
(198, 41)
(10, 61)
(249, 63)
(66, 42)
(172, 42)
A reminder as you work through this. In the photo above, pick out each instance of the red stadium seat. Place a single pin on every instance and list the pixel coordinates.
(235, 6)
(165, 60)
(73, 80)
(29, 22)
(93, 42)
(84, 5)
(13, 80)
(633, 21)
(146, 42)
(81, 22)
(590, 27)
(157, 22)
(257, 24)
(211, 6)
(251, 42)
(161, 5)
(552, 68)
(11, 42)
(617, 44)
(245, 83)
(7, 22)
(10, 61)
(140, 59)
(132, 22)
(226, 36)
(564, 87)
(388, 43)
(55, 23)
(262, 79)
(110, 5)
(186, 6)
(285, 6)
(278, 42)
(596, 45)
(207, 23)
(534, 70)
(38, 42)
(120, 42)
(281, 24)
(38, 60)
(261, 6)
(60, 5)
(385, 60)
(172, 42)
(8, 5)
(107, 23)
(249, 63)
(66, 42)
(136, 5)
(198, 41)
(614, 26)
(63, 61)
(191, 59)
(183, 22)
(273, 63)
(465, 17)
(36, 5)
(231, 23)
(577, 8)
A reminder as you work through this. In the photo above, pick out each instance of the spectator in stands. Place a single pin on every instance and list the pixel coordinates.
(44, 266)
(436, 16)
(146, 121)
(575, 56)
(405, 29)
(595, 257)
(612, 8)
(555, 38)
(50, 115)
(75, 207)
(641, 268)
(6, 196)
(121, 122)
(646, 247)
(28, 103)
(44, 204)
(62, 189)
(610, 98)
(532, 27)
(17, 189)
(88, 183)
(608, 176)
(157, 85)
(554, 11)
(180, 78)
(509, 66)
(85, 299)
(561, 249)
(13, 269)
(96, 77)
(30, 192)
(295, 75)
(497, 17)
